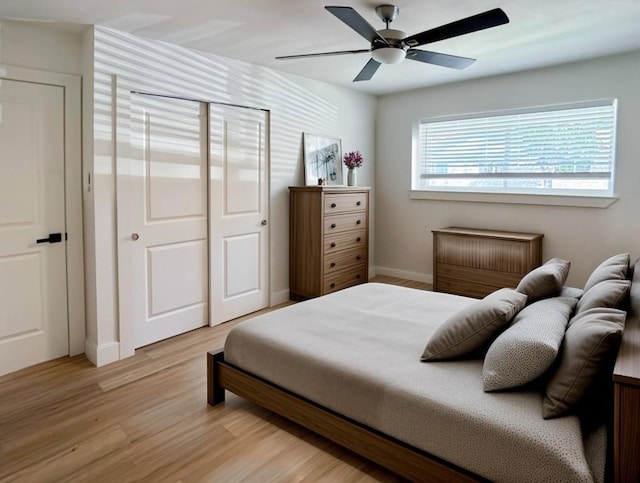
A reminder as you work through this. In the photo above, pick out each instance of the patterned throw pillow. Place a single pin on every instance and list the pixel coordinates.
(530, 345)
(545, 281)
(473, 326)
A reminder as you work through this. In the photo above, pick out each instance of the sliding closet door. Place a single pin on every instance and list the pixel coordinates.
(167, 205)
(238, 211)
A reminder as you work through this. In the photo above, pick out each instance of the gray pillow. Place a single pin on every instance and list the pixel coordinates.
(473, 326)
(614, 268)
(634, 291)
(530, 345)
(574, 292)
(610, 293)
(590, 345)
(544, 281)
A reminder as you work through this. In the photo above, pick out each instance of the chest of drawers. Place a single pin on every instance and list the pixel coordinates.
(328, 239)
(475, 263)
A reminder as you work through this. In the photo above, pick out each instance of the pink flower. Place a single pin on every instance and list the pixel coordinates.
(353, 159)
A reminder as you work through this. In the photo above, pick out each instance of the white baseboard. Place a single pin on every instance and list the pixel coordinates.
(393, 272)
(280, 297)
(103, 354)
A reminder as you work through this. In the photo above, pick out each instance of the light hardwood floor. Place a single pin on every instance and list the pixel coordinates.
(146, 419)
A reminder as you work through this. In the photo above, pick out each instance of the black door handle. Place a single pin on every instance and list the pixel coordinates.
(52, 238)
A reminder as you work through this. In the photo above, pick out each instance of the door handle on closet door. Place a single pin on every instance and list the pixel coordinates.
(263, 222)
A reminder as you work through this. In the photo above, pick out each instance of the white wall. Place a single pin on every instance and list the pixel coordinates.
(87, 199)
(41, 46)
(585, 236)
(297, 105)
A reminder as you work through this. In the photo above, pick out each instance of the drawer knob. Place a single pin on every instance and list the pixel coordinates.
(358, 257)
(358, 222)
(358, 276)
(333, 225)
(333, 205)
(333, 285)
(333, 264)
(358, 203)
(358, 239)
(333, 244)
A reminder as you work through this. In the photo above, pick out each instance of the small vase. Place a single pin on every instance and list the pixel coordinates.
(351, 177)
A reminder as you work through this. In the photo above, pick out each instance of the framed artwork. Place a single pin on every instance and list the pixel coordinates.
(322, 159)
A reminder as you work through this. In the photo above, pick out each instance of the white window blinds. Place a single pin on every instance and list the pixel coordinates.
(551, 150)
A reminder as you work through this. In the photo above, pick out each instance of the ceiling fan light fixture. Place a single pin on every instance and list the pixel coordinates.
(388, 55)
(391, 46)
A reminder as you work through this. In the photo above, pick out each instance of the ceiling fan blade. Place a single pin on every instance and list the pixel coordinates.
(481, 21)
(354, 20)
(367, 71)
(445, 60)
(320, 54)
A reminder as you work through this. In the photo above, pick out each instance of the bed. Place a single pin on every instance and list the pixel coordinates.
(346, 366)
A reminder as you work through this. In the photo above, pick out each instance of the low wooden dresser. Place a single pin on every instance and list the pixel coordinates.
(475, 262)
(328, 239)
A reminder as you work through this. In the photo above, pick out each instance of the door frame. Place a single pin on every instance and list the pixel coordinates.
(123, 90)
(71, 85)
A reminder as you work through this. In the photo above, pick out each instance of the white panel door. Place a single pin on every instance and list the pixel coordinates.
(167, 199)
(33, 283)
(239, 271)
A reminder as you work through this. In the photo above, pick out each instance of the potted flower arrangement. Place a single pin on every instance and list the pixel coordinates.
(352, 160)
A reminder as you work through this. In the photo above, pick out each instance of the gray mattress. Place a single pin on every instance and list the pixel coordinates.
(357, 352)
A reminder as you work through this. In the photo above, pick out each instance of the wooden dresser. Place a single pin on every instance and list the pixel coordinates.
(475, 263)
(328, 239)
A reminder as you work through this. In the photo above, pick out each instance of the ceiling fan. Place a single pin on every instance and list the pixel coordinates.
(390, 46)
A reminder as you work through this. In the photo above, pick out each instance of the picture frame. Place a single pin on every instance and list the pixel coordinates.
(322, 159)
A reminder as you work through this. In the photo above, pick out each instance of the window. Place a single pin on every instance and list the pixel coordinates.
(567, 150)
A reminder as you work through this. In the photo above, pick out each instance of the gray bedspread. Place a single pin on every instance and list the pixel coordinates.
(357, 352)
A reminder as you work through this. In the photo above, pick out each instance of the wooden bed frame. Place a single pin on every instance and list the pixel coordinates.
(413, 463)
(405, 460)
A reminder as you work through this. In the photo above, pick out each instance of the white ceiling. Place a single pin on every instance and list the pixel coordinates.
(541, 32)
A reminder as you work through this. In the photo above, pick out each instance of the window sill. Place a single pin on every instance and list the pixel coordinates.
(518, 199)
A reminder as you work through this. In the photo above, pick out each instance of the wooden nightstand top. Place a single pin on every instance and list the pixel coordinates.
(502, 235)
(627, 368)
